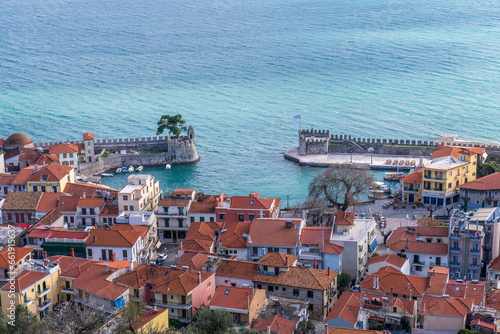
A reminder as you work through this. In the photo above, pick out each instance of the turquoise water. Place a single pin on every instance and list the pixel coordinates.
(239, 70)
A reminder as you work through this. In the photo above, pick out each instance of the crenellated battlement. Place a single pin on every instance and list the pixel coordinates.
(114, 141)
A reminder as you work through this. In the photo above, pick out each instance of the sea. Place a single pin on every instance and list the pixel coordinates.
(239, 71)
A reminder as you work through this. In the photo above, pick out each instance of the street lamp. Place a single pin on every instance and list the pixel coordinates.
(370, 150)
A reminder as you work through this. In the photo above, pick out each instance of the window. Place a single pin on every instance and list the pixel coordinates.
(167, 235)
(131, 208)
(209, 284)
(35, 188)
(251, 202)
(54, 189)
(241, 217)
(259, 286)
(226, 292)
(181, 211)
(180, 222)
(394, 309)
(65, 155)
(212, 219)
(251, 216)
(125, 197)
(192, 219)
(89, 252)
(202, 219)
(310, 294)
(295, 292)
(284, 289)
(449, 185)
(125, 254)
(167, 222)
(221, 216)
(270, 288)
(209, 297)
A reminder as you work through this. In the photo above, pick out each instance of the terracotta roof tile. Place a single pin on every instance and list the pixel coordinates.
(183, 192)
(445, 306)
(52, 173)
(181, 281)
(48, 202)
(95, 281)
(420, 247)
(63, 148)
(388, 258)
(468, 290)
(6, 179)
(68, 203)
(488, 182)
(232, 297)
(344, 218)
(340, 330)
(23, 175)
(276, 324)
(26, 279)
(42, 232)
(88, 136)
(263, 232)
(311, 235)
(25, 201)
(19, 254)
(192, 260)
(237, 269)
(141, 275)
(107, 237)
(110, 209)
(254, 202)
(308, 278)
(166, 202)
(89, 189)
(405, 233)
(203, 207)
(50, 217)
(233, 237)
(90, 202)
(147, 317)
(493, 299)
(414, 177)
(277, 260)
(453, 151)
(390, 278)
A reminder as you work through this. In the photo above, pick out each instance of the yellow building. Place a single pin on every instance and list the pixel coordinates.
(141, 193)
(152, 321)
(51, 178)
(36, 288)
(412, 187)
(450, 167)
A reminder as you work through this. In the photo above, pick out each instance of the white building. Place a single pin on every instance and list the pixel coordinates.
(140, 194)
(422, 255)
(117, 243)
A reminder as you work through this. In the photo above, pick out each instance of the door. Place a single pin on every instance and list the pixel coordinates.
(110, 254)
(495, 203)
(174, 236)
(411, 198)
(438, 261)
(184, 314)
(103, 254)
(183, 300)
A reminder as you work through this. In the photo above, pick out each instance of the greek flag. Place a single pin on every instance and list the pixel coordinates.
(296, 117)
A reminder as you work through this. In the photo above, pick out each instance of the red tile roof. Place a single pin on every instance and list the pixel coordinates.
(488, 182)
(414, 177)
(112, 238)
(89, 189)
(263, 232)
(19, 253)
(143, 230)
(405, 233)
(68, 203)
(90, 202)
(23, 175)
(438, 278)
(166, 202)
(233, 236)
(48, 202)
(110, 210)
(391, 279)
(237, 269)
(25, 201)
(232, 297)
(142, 275)
(453, 151)
(493, 299)
(203, 207)
(25, 279)
(311, 235)
(53, 173)
(42, 232)
(180, 281)
(420, 247)
(469, 290)
(494, 264)
(276, 324)
(63, 148)
(445, 306)
(277, 260)
(183, 192)
(95, 280)
(344, 218)
(388, 258)
(254, 202)
(6, 179)
(340, 330)
(88, 136)
(192, 260)
(481, 323)
(203, 231)
(50, 218)
(307, 278)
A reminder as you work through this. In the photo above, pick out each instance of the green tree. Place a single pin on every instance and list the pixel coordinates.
(128, 315)
(341, 186)
(467, 331)
(174, 124)
(343, 281)
(306, 326)
(24, 322)
(209, 321)
(487, 168)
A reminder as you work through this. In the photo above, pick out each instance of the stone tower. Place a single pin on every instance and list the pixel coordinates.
(88, 142)
(190, 132)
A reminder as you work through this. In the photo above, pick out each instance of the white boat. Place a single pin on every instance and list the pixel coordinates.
(139, 169)
(168, 166)
(107, 174)
(131, 169)
(124, 169)
(118, 170)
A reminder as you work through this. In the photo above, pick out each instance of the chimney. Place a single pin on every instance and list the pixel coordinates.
(326, 329)
(95, 239)
(286, 260)
(407, 244)
(375, 282)
(72, 252)
(45, 255)
(322, 241)
(199, 277)
(391, 290)
(315, 265)
(113, 257)
(248, 301)
(83, 195)
(131, 265)
(268, 329)
(328, 271)
(424, 307)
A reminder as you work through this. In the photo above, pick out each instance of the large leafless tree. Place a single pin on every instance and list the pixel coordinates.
(341, 186)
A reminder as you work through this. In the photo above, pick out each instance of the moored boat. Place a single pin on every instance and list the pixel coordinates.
(393, 176)
(118, 170)
(139, 169)
(107, 174)
(168, 166)
(124, 169)
(131, 169)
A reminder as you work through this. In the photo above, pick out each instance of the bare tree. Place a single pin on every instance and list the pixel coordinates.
(73, 319)
(431, 209)
(341, 186)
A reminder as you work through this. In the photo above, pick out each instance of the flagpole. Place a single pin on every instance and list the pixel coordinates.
(300, 123)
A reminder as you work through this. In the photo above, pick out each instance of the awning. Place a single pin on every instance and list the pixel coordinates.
(376, 318)
(373, 245)
(158, 244)
(119, 302)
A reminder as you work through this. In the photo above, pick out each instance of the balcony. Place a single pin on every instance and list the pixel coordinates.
(455, 236)
(40, 294)
(435, 177)
(474, 266)
(411, 190)
(27, 303)
(419, 263)
(137, 299)
(172, 304)
(434, 264)
(44, 305)
(475, 252)
(455, 249)
(455, 264)
(67, 290)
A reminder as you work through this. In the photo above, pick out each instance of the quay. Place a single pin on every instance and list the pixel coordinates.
(362, 160)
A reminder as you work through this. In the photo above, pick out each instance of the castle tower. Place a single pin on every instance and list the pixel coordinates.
(190, 132)
(88, 149)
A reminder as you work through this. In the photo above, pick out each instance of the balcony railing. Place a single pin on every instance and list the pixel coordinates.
(44, 305)
(430, 177)
(474, 266)
(457, 249)
(475, 251)
(67, 290)
(419, 263)
(454, 263)
(43, 292)
(170, 304)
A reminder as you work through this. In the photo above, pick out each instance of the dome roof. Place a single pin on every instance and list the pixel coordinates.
(18, 139)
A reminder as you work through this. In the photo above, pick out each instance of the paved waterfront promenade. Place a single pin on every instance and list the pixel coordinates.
(375, 161)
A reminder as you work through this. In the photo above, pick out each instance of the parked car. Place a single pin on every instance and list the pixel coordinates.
(162, 257)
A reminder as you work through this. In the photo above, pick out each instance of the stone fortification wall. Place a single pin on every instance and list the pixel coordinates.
(313, 141)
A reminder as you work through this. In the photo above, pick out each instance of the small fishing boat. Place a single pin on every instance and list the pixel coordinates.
(380, 186)
(393, 176)
(139, 169)
(168, 166)
(131, 169)
(124, 169)
(107, 174)
(118, 170)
